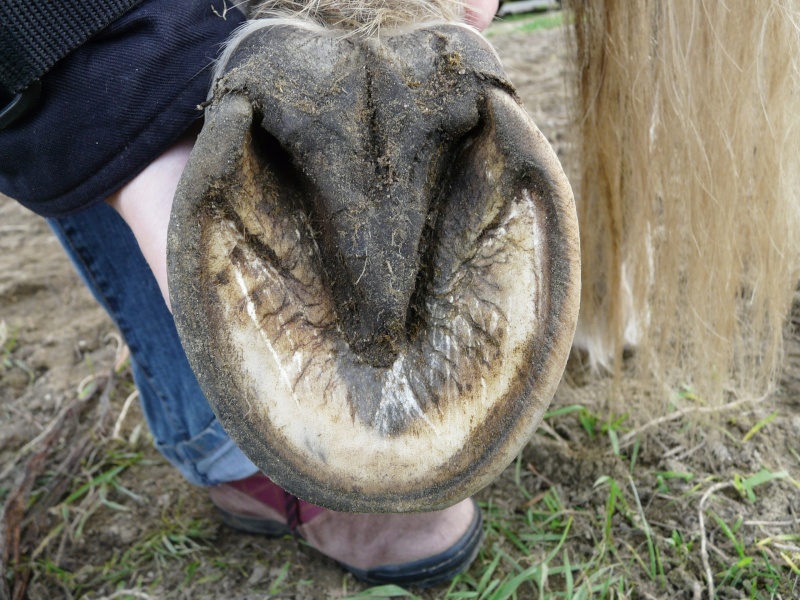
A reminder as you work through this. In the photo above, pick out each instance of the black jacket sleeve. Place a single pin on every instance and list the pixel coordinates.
(114, 104)
(35, 34)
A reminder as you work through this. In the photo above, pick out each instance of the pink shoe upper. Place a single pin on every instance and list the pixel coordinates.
(358, 541)
(258, 497)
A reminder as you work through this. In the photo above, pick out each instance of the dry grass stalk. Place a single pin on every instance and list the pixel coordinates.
(14, 518)
(22, 524)
(689, 193)
(703, 539)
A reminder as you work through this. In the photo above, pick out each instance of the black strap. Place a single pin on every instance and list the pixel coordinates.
(36, 34)
(292, 507)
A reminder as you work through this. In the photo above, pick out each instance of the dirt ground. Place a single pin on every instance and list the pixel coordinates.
(100, 513)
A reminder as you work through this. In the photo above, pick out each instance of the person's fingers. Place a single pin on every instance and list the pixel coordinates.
(479, 13)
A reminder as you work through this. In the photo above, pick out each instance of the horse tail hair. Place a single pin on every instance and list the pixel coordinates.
(688, 133)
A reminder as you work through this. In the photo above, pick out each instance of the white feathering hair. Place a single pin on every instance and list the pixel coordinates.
(343, 18)
(368, 18)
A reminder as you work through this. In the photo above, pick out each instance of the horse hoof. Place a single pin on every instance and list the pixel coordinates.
(374, 265)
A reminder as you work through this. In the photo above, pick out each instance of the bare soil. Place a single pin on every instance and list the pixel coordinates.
(140, 531)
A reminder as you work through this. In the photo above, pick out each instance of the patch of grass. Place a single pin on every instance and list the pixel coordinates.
(656, 568)
(526, 23)
(737, 561)
(594, 424)
(95, 487)
(662, 477)
(746, 485)
(759, 426)
(548, 535)
(277, 585)
(682, 548)
(9, 339)
(547, 21)
(750, 567)
(175, 539)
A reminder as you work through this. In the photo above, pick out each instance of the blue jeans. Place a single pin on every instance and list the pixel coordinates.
(186, 432)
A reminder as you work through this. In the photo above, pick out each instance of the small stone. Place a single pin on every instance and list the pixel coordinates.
(259, 571)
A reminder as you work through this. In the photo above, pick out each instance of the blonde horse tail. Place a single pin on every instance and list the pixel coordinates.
(689, 191)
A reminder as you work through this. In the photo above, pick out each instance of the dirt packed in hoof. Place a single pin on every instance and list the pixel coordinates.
(598, 505)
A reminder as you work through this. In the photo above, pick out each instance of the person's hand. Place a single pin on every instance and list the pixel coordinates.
(479, 13)
(145, 204)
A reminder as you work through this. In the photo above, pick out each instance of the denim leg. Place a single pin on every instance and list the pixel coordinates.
(186, 431)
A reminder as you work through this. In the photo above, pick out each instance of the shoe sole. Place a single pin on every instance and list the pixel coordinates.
(433, 570)
(423, 573)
